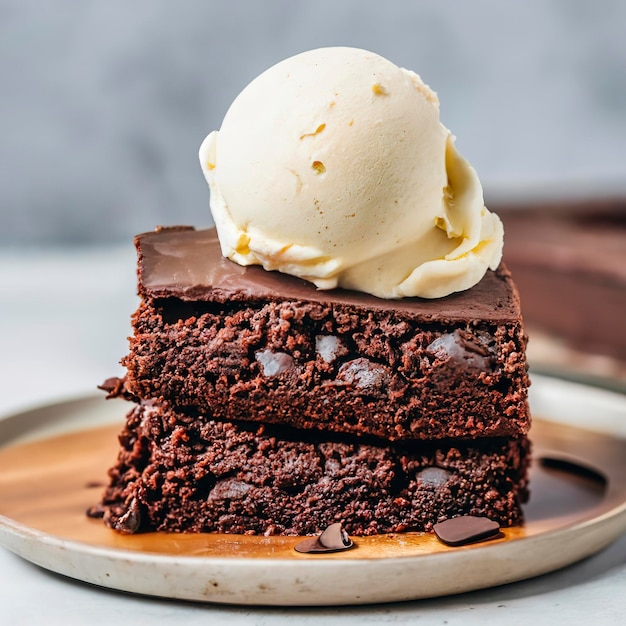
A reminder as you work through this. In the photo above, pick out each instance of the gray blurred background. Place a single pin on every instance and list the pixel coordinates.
(104, 103)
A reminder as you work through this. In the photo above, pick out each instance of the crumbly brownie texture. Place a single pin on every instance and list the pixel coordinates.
(180, 471)
(246, 344)
(265, 406)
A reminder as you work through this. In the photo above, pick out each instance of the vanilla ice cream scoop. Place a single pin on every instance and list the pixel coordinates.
(333, 166)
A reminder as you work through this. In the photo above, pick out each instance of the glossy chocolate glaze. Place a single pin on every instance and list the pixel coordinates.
(187, 264)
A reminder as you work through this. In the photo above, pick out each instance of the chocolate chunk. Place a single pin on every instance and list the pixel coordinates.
(459, 531)
(312, 545)
(462, 350)
(433, 476)
(229, 489)
(274, 363)
(329, 347)
(130, 522)
(333, 539)
(363, 374)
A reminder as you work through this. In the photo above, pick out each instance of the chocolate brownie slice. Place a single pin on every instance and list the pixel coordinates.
(241, 343)
(184, 471)
(569, 261)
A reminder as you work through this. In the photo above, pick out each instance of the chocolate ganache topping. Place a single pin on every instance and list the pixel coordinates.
(184, 263)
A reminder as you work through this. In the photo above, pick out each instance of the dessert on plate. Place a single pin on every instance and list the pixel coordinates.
(345, 345)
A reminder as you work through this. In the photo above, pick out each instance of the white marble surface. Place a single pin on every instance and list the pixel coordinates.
(63, 323)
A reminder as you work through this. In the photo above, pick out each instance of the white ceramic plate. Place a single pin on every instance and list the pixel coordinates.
(53, 460)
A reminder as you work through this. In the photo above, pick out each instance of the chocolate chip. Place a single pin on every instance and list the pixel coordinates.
(130, 522)
(310, 545)
(363, 374)
(433, 476)
(333, 539)
(229, 489)
(459, 531)
(329, 347)
(274, 363)
(462, 350)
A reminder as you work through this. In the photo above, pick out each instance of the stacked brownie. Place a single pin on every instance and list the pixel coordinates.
(265, 406)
